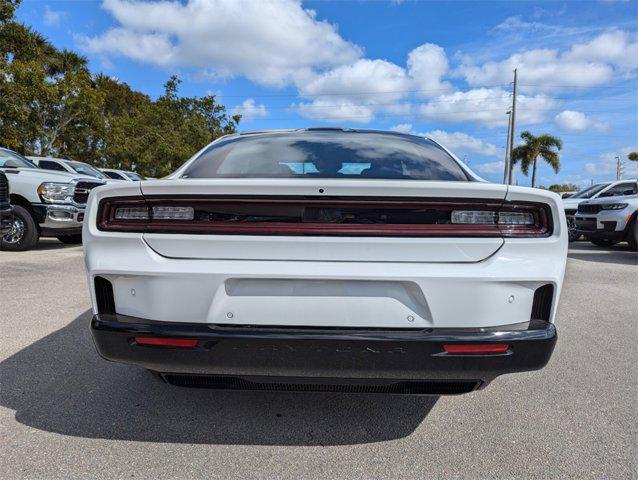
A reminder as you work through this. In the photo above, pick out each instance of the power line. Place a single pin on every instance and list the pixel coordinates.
(388, 92)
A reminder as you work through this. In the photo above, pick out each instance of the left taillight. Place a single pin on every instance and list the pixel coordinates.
(134, 215)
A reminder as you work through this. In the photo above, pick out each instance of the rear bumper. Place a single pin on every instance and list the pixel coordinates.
(387, 361)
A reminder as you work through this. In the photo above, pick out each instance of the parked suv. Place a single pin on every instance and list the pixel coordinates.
(609, 189)
(45, 203)
(607, 221)
(70, 166)
(6, 212)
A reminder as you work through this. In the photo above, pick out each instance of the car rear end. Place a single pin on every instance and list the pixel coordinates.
(394, 285)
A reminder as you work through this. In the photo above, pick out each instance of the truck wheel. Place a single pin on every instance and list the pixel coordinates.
(70, 239)
(603, 242)
(24, 234)
(573, 235)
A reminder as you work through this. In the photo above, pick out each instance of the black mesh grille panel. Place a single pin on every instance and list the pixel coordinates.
(104, 296)
(406, 387)
(542, 306)
(585, 208)
(82, 190)
(4, 189)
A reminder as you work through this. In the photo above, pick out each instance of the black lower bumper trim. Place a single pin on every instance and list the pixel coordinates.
(347, 385)
(306, 359)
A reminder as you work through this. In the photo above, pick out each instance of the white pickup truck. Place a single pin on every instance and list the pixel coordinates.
(45, 203)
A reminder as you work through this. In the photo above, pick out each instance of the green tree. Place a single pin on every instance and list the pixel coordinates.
(51, 104)
(155, 138)
(633, 156)
(544, 146)
(564, 187)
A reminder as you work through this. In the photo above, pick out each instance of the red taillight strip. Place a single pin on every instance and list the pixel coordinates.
(471, 348)
(541, 227)
(167, 342)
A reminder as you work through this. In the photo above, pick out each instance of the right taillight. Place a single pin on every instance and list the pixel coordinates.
(511, 220)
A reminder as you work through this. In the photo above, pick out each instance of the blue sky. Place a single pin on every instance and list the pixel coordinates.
(437, 68)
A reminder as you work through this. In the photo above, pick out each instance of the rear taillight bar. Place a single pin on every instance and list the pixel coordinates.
(326, 217)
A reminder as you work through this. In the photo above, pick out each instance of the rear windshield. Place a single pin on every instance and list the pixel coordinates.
(313, 154)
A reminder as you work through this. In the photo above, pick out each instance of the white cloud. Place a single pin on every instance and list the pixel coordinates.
(271, 42)
(354, 92)
(404, 128)
(249, 110)
(491, 167)
(586, 64)
(573, 121)
(614, 47)
(52, 18)
(488, 107)
(458, 142)
(516, 24)
(427, 64)
(606, 165)
(537, 68)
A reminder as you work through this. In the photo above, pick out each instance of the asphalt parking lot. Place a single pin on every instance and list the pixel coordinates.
(66, 413)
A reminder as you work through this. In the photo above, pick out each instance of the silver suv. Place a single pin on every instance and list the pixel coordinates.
(609, 220)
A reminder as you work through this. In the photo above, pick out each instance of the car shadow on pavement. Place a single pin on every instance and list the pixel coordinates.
(618, 254)
(60, 384)
(53, 244)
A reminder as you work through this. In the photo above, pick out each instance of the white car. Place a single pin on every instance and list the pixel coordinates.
(610, 220)
(325, 259)
(70, 166)
(125, 175)
(609, 189)
(45, 203)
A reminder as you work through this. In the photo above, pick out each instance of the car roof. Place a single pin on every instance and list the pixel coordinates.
(327, 129)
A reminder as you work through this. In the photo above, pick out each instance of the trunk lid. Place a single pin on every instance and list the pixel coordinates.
(353, 247)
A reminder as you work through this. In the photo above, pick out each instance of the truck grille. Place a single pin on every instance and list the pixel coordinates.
(588, 208)
(4, 189)
(82, 190)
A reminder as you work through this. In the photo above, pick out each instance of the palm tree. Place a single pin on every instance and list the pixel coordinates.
(542, 146)
(67, 61)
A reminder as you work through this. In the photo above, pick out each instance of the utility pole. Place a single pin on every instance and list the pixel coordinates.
(507, 150)
(618, 169)
(513, 128)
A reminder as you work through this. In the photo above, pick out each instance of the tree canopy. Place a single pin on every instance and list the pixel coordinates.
(52, 104)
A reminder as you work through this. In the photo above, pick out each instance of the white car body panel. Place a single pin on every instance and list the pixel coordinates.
(336, 281)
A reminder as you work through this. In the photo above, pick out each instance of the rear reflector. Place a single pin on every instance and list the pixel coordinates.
(166, 342)
(475, 348)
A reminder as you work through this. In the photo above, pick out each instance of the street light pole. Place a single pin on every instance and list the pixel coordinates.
(507, 150)
(618, 169)
(513, 128)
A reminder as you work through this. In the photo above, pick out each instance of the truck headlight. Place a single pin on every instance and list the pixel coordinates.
(52, 192)
(613, 206)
